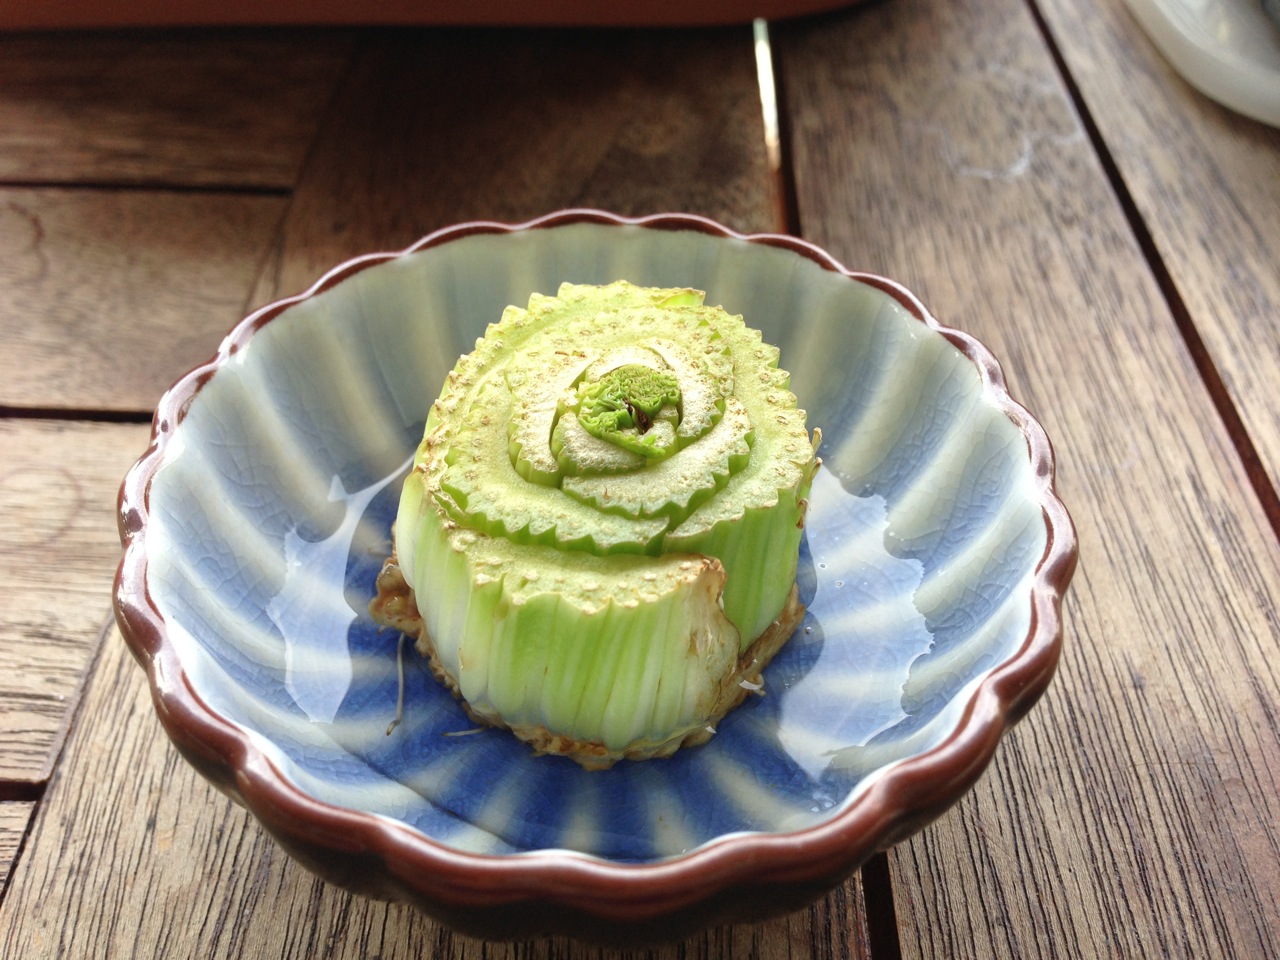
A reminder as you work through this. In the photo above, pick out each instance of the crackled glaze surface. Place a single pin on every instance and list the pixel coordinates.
(271, 512)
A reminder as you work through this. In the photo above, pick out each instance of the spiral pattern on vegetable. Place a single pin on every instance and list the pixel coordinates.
(604, 516)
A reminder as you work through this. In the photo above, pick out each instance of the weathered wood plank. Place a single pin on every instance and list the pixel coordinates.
(14, 817)
(1135, 811)
(106, 297)
(132, 853)
(1207, 184)
(436, 127)
(58, 553)
(197, 108)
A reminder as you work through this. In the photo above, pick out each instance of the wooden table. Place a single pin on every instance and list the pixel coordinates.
(1034, 170)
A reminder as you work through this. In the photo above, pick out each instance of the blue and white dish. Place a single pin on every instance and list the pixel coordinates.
(934, 561)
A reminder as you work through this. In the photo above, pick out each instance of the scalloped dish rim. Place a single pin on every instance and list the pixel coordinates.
(391, 860)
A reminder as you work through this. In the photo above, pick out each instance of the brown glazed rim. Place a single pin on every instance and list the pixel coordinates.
(899, 800)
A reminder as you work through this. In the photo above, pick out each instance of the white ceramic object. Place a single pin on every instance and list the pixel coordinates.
(1229, 50)
(933, 565)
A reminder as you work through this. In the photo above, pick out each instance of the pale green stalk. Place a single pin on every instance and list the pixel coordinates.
(605, 512)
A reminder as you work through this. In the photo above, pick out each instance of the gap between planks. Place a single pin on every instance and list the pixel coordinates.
(877, 880)
(148, 186)
(784, 181)
(33, 790)
(16, 820)
(85, 414)
(877, 900)
(1208, 371)
(23, 798)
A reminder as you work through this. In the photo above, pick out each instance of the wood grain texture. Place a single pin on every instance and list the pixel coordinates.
(1135, 812)
(58, 554)
(107, 297)
(435, 127)
(1206, 182)
(212, 108)
(14, 817)
(133, 854)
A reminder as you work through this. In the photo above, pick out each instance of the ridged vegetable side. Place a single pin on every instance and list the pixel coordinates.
(604, 515)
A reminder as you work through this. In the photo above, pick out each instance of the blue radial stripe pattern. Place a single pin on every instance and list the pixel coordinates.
(271, 518)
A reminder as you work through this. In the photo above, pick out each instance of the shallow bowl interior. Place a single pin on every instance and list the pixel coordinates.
(270, 501)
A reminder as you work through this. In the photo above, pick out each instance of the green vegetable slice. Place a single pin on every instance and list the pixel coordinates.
(603, 517)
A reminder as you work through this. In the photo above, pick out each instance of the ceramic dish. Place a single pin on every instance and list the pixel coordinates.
(1227, 49)
(933, 566)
